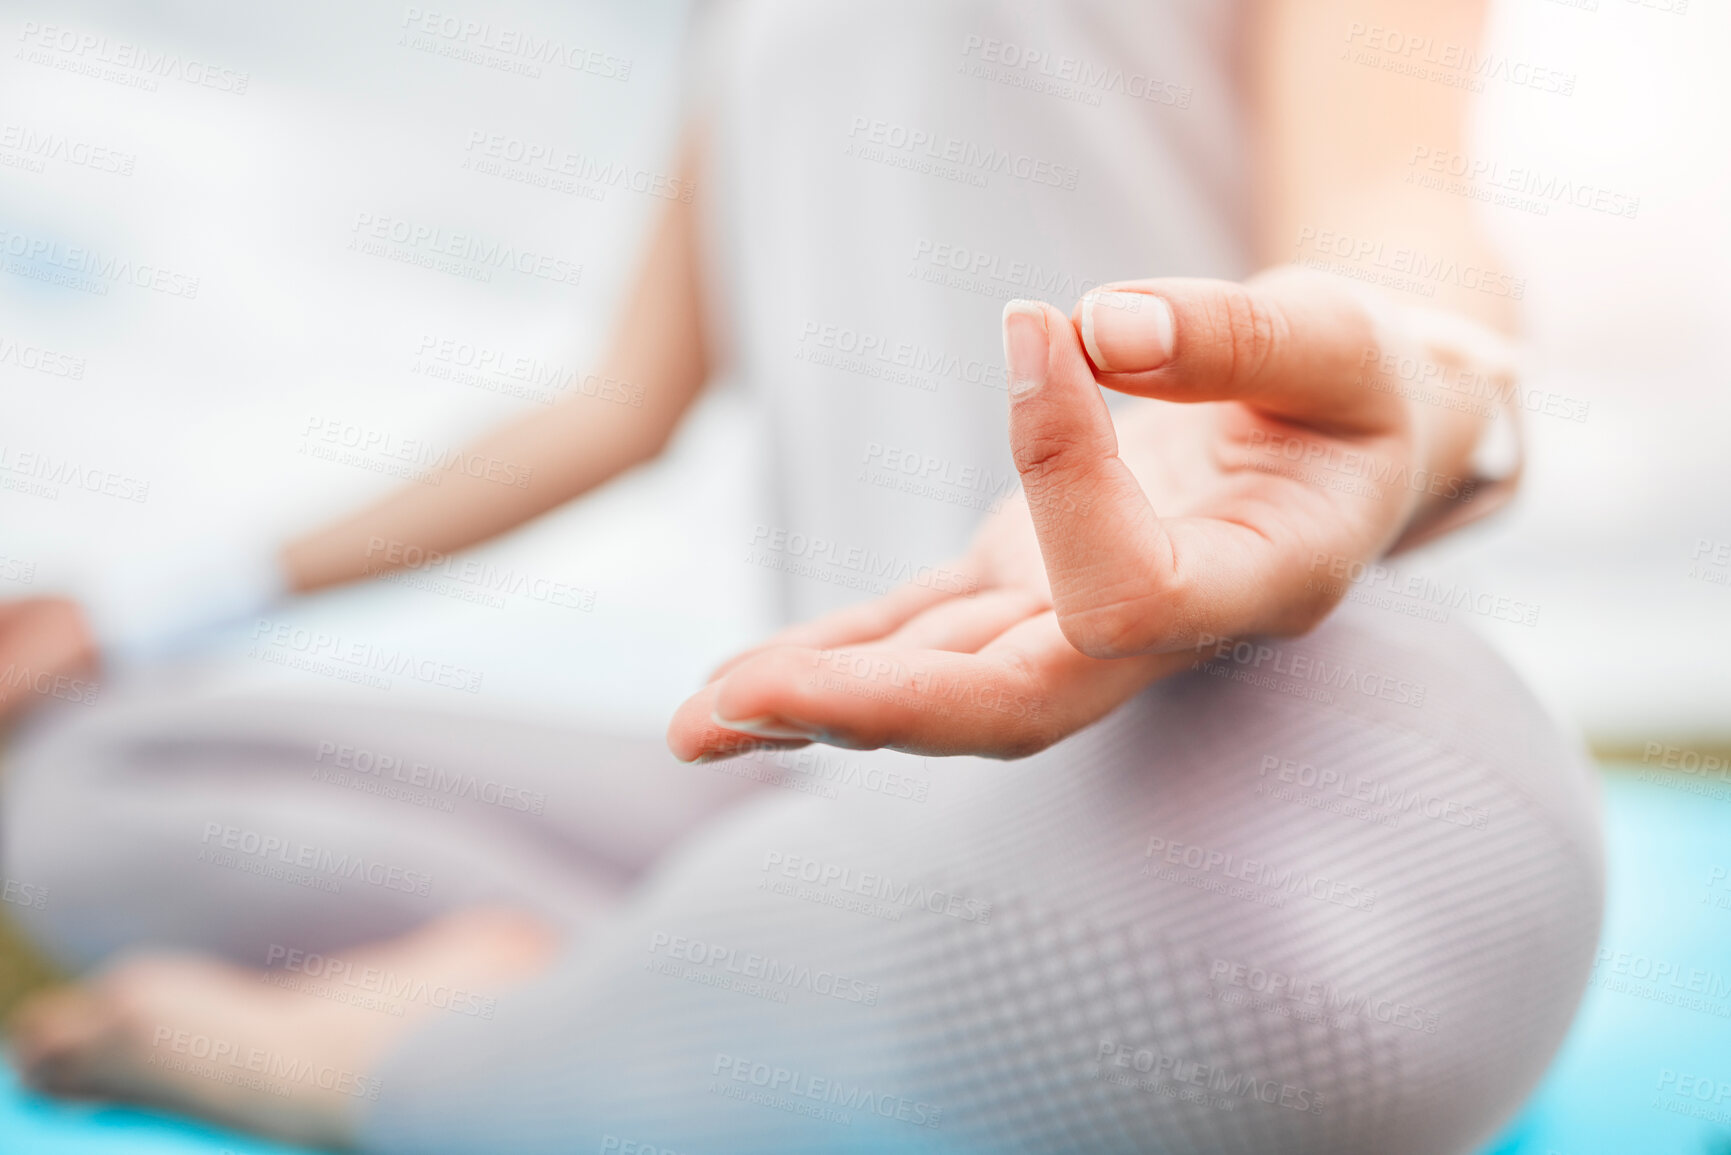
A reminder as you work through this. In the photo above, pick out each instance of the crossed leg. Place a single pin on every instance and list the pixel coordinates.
(1343, 900)
(264, 893)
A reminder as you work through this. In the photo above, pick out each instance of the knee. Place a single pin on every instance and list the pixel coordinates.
(50, 796)
(49, 782)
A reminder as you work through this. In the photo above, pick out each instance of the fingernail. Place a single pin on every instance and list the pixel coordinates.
(768, 726)
(1127, 332)
(1026, 345)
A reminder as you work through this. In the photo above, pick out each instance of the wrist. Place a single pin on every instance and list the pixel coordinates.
(146, 609)
(1465, 422)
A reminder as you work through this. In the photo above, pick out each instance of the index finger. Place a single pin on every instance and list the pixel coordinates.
(1292, 344)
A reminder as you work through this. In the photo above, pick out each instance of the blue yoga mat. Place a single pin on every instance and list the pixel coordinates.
(1642, 1069)
(1646, 1067)
(33, 1125)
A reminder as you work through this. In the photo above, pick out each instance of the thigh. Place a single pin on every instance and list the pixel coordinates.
(1336, 895)
(229, 823)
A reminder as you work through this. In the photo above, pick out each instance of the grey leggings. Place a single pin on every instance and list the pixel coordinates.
(1331, 895)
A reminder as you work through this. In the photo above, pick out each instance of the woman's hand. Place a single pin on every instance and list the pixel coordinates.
(44, 643)
(1281, 448)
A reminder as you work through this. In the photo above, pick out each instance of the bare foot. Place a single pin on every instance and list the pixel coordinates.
(288, 1052)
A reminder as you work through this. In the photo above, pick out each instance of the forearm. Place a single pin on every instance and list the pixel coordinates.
(1340, 143)
(1337, 143)
(551, 457)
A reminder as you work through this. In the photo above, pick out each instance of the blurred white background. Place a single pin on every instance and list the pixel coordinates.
(1634, 317)
(256, 194)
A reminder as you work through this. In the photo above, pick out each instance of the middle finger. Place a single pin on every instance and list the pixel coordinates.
(963, 625)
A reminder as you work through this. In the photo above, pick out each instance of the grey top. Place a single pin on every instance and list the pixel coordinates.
(883, 178)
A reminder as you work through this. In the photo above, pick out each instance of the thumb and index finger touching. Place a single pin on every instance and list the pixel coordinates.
(1124, 580)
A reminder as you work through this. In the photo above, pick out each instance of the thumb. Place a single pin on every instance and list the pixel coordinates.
(1102, 544)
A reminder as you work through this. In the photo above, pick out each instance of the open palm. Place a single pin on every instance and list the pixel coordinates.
(1272, 452)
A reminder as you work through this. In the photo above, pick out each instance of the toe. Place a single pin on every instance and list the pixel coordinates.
(57, 1037)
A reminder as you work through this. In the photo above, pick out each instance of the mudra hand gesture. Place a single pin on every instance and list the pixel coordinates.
(1276, 432)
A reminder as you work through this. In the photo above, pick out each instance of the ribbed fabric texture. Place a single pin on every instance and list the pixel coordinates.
(1334, 895)
(182, 819)
(1108, 1001)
